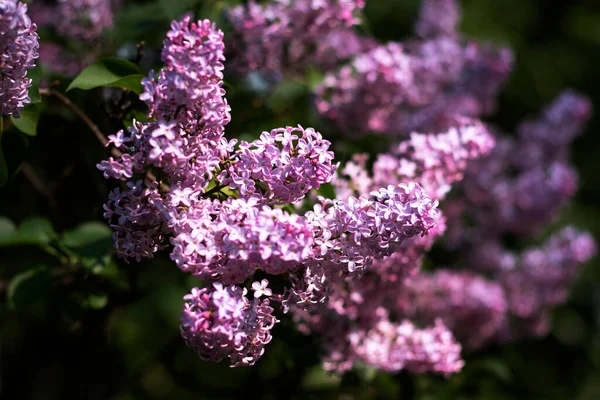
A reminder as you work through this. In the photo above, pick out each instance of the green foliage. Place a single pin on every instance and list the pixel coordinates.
(28, 287)
(29, 119)
(112, 71)
(32, 231)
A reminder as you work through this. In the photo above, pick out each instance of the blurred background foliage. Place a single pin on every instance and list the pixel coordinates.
(77, 323)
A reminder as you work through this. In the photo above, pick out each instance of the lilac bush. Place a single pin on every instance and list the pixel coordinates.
(349, 268)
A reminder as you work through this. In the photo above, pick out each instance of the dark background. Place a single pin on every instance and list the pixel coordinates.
(90, 327)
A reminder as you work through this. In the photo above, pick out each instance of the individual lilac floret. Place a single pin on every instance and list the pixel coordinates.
(434, 160)
(473, 308)
(281, 166)
(437, 18)
(84, 20)
(189, 87)
(220, 322)
(19, 45)
(394, 347)
(288, 36)
(228, 241)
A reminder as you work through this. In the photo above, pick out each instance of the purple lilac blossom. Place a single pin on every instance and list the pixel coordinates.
(543, 275)
(400, 87)
(350, 236)
(81, 23)
(288, 36)
(525, 182)
(228, 241)
(286, 162)
(547, 138)
(134, 216)
(438, 18)
(220, 322)
(473, 308)
(436, 161)
(225, 242)
(19, 45)
(360, 230)
(393, 347)
(84, 20)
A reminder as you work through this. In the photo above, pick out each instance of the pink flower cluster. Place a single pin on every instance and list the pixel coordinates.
(222, 323)
(18, 51)
(78, 20)
(392, 347)
(214, 205)
(396, 88)
(81, 23)
(436, 161)
(429, 90)
(84, 19)
(287, 165)
(286, 37)
(352, 264)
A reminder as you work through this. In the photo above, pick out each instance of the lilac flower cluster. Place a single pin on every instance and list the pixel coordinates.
(540, 277)
(392, 347)
(396, 88)
(288, 36)
(473, 308)
(79, 22)
(356, 327)
(287, 165)
(435, 161)
(222, 323)
(524, 182)
(214, 205)
(18, 51)
(430, 89)
(84, 19)
(228, 241)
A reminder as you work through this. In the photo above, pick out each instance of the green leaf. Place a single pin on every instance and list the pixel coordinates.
(497, 368)
(316, 378)
(29, 119)
(28, 287)
(97, 301)
(326, 190)
(92, 243)
(85, 234)
(32, 231)
(114, 72)
(285, 93)
(8, 230)
(34, 90)
(314, 77)
(35, 230)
